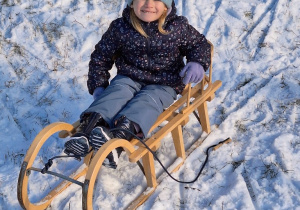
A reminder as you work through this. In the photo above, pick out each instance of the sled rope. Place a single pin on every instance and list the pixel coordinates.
(164, 168)
(50, 161)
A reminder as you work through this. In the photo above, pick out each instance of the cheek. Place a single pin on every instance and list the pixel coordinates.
(161, 11)
(136, 6)
(161, 7)
(136, 11)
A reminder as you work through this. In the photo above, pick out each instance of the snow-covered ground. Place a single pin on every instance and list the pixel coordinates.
(44, 53)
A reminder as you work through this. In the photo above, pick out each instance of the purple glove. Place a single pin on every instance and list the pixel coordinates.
(192, 72)
(97, 92)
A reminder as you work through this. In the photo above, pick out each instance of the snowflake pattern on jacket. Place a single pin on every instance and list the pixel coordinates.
(157, 59)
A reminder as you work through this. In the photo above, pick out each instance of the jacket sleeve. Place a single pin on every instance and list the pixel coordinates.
(194, 45)
(102, 58)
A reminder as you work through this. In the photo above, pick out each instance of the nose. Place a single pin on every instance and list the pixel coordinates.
(149, 3)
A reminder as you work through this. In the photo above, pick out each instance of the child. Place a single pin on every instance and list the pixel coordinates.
(147, 45)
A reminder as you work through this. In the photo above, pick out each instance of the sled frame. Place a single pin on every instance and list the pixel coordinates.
(177, 115)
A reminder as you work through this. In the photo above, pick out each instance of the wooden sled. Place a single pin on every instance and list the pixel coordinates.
(176, 116)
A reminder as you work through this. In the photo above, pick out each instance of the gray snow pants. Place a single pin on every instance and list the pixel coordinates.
(140, 103)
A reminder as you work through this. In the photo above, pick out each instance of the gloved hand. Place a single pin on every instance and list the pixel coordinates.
(97, 92)
(192, 72)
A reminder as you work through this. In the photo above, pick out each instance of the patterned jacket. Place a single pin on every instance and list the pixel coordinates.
(157, 59)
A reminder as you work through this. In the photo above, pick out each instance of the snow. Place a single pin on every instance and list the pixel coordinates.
(44, 54)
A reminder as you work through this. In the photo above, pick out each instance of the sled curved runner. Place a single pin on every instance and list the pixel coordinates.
(32, 152)
(176, 116)
(91, 169)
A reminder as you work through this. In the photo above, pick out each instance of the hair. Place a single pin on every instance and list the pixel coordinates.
(135, 21)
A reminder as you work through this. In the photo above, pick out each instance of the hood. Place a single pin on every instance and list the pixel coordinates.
(172, 13)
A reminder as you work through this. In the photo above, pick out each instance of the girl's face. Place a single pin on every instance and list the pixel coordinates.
(148, 10)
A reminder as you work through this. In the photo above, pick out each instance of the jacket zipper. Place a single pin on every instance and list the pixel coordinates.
(148, 47)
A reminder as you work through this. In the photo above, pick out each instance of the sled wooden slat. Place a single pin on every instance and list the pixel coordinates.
(64, 134)
(211, 62)
(178, 142)
(225, 142)
(141, 199)
(203, 112)
(189, 95)
(148, 162)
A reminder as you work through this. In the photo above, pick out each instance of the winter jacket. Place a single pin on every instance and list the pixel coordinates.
(157, 59)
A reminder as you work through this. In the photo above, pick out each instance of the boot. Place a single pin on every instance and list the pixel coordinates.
(78, 143)
(100, 135)
(127, 127)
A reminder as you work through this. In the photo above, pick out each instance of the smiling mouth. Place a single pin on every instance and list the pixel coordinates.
(144, 11)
